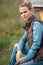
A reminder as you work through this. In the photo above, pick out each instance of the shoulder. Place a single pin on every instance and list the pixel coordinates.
(37, 24)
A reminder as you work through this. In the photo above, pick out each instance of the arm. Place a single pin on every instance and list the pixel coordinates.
(37, 35)
(22, 41)
(20, 46)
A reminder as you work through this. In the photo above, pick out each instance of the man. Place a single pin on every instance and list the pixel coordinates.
(33, 35)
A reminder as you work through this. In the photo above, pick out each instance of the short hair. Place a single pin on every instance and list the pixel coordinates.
(28, 5)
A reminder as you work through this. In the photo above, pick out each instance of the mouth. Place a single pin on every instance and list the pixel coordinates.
(25, 17)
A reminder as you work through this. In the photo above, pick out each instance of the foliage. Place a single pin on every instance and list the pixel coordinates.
(10, 27)
(4, 42)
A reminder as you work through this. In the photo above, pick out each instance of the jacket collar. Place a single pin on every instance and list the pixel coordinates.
(28, 23)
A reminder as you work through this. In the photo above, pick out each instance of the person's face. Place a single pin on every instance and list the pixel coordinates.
(25, 12)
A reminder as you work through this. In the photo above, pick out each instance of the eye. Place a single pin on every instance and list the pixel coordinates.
(21, 13)
(25, 11)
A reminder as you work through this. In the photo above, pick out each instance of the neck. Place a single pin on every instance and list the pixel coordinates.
(28, 23)
(31, 18)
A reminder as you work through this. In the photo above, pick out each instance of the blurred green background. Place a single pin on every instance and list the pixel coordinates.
(10, 28)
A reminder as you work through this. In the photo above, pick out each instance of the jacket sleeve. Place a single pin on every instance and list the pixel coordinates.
(22, 41)
(37, 35)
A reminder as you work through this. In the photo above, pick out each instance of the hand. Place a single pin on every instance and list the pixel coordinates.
(21, 60)
(18, 55)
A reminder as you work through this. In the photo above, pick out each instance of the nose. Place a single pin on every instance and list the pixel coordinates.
(23, 14)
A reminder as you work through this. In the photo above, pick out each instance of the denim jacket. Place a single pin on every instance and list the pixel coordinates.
(37, 36)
